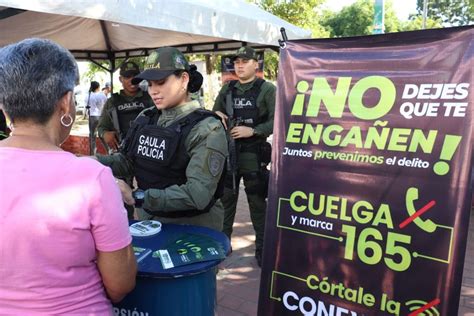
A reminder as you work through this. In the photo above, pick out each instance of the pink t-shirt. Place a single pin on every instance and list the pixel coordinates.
(56, 210)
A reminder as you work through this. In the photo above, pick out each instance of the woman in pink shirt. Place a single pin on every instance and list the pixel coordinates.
(64, 241)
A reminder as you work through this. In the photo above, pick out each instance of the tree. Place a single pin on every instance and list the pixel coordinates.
(416, 23)
(450, 12)
(94, 68)
(302, 13)
(357, 19)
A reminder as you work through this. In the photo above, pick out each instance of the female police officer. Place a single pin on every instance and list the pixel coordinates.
(175, 150)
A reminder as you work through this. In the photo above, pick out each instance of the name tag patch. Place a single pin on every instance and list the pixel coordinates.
(152, 147)
(242, 103)
(131, 106)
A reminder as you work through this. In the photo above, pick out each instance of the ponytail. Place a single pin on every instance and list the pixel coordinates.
(94, 86)
(195, 79)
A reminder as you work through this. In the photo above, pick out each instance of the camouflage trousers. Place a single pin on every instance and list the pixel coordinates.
(255, 187)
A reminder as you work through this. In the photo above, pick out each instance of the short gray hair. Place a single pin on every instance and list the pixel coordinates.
(34, 75)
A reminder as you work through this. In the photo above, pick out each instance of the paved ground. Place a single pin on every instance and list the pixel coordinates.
(80, 126)
(239, 277)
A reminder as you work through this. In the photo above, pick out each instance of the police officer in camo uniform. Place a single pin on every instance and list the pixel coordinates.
(175, 150)
(122, 108)
(250, 104)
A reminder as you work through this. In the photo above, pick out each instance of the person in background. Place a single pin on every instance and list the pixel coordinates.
(95, 102)
(65, 247)
(107, 90)
(122, 108)
(175, 150)
(247, 107)
(119, 112)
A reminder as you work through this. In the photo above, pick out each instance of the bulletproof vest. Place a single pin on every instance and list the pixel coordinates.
(245, 105)
(127, 110)
(246, 113)
(159, 155)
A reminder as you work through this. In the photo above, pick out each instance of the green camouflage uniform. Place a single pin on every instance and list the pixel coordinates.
(248, 162)
(206, 145)
(105, 120)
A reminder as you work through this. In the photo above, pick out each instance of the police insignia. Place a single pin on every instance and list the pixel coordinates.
(179, 62)
(215, 163)
(152, 61)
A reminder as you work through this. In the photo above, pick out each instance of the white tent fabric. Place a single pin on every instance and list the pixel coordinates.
(108, 29)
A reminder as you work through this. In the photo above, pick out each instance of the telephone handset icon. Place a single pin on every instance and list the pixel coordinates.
(427, 225)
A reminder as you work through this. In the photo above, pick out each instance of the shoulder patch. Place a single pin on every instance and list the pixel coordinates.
(215, 163)
(216, 139)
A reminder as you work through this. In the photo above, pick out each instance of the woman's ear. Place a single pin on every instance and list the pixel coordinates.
(65, 103)
(186, 78)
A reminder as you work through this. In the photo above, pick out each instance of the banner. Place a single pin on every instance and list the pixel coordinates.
(370, 190)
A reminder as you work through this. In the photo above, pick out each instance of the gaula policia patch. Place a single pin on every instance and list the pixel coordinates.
(215, 163)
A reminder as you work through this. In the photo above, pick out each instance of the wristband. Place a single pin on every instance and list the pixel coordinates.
(139, 196)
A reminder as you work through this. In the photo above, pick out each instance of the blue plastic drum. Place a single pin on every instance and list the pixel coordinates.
(184, 290)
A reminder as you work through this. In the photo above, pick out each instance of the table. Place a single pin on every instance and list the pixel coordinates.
(184, 290)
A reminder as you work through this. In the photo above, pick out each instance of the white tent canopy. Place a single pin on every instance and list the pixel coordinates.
(110, 29)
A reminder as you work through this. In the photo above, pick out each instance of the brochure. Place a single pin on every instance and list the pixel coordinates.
(141, 253)
(190, 248)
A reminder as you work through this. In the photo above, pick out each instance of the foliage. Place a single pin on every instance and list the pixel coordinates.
(93, 69)
(302, 13)
(212, 61)
(270, 65)
(357, 19)
(450, 12)
(416, 23)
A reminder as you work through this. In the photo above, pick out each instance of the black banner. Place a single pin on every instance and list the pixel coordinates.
(370, 190)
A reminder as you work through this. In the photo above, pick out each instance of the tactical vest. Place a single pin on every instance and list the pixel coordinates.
(127, 110)
(245, 105)
(246, 113)
(160, 158)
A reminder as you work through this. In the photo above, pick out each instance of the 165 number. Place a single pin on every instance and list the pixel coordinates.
(370, 251)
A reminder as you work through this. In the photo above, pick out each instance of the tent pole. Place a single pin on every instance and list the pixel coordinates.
(111, 71)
